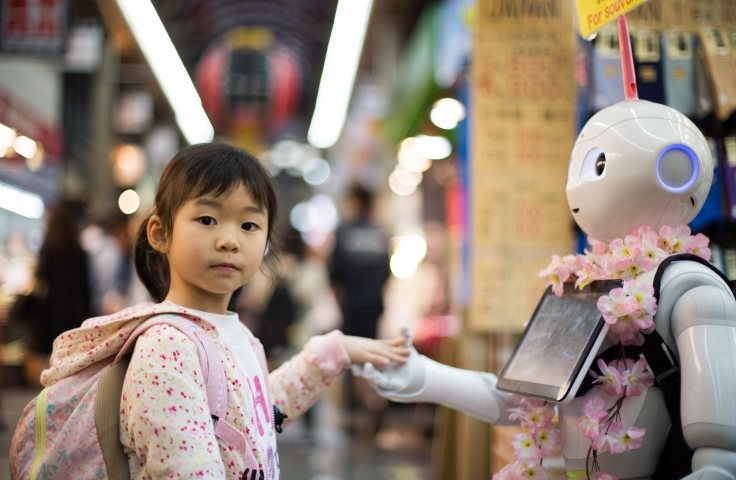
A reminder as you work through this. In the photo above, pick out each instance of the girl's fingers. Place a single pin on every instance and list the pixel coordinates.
(393, 355)
(377, 359)
(395, 342)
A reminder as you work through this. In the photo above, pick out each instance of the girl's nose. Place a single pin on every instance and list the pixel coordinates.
(227, 241)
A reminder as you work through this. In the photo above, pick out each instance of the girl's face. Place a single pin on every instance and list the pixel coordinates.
(216, 245)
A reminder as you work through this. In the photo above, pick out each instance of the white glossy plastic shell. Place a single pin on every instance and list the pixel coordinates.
(629, 194)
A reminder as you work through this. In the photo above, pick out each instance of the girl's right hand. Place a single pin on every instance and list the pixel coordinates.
(378, 352)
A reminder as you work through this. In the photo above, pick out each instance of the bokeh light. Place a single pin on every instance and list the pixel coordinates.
(316, 171)
(410, 251)
(446, 113)
(129, 201)
(411, 158)
(25, 146)
(317, 214)
(399, 188)
(435, 148)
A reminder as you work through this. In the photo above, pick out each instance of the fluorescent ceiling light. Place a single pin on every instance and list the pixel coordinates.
(338, 75)
(20, 201)
(168, 69)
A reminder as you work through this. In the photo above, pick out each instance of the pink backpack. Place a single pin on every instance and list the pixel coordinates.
(72, 429)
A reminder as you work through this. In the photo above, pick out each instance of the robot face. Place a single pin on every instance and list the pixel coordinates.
(637, 163)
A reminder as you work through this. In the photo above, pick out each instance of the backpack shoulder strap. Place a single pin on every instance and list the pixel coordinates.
(209, 358)
(680, 257)
(212, 368)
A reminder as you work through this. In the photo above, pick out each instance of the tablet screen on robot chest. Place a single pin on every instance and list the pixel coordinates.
(557, 343)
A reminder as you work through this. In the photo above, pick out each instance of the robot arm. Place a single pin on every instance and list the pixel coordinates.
(421, 379)
(704, 327)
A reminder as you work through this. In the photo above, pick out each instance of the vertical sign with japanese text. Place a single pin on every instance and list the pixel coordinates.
(523, 111)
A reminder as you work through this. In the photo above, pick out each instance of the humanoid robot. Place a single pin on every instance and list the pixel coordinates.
(635, 163)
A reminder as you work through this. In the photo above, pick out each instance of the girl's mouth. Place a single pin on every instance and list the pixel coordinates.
(225, 267)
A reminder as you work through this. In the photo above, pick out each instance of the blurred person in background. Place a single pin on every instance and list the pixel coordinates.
(63, 296)
(358, 270)
(359, 266)
(105, 256)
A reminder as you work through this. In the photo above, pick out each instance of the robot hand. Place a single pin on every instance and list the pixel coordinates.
(396, 380)
(421, 379)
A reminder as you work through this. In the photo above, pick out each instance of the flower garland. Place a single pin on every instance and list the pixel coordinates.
(629, 312)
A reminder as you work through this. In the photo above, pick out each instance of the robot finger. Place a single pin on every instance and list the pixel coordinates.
(408, 334)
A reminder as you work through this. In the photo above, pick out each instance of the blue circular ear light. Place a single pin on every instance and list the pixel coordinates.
(677, 168)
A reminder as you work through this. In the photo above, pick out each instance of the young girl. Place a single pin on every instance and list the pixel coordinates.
(208, 235)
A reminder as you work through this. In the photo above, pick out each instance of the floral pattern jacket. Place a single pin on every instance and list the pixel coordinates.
(166, 428)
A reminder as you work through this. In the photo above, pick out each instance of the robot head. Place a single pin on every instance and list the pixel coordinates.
(637, 163)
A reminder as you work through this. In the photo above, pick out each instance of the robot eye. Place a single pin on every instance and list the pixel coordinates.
(594, 165)
(600, 164)
(677, 168)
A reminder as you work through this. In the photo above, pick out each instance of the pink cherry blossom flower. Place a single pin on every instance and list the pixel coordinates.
(643, 292)
(624, 248)
(644, 231)
(637, 377)
(548, 439)
(622, 438)
(558, 272)
(608, 266)
(525, 449)
(534, 471)
(512, 471)
(519, 413)
(587, 271)
(600, 445)
(650, 247)
(599, 248)
(540, 417)
(676, 240)
(700, 246)
(637, 264)
(631, 338)
(631, 324)
(611, 381)
(616, 305)
(604, 476)
(593, 413)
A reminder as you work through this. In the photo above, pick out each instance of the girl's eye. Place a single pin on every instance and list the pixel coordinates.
(207, 221)
(249, 227)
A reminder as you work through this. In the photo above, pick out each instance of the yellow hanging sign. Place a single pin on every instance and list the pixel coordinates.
(594, 14)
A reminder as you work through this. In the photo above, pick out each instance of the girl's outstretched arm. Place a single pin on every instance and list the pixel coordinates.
(298, 383)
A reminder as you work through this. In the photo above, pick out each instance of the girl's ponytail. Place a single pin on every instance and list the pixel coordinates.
(152, 266)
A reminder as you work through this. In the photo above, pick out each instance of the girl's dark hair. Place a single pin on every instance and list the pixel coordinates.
(208, 169)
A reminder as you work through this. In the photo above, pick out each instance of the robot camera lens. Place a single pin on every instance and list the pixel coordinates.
(600, 165)
(677, 169)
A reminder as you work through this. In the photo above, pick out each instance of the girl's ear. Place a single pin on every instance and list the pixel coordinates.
(156, 236)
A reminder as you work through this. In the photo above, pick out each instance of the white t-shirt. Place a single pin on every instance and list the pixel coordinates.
(237, 337)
